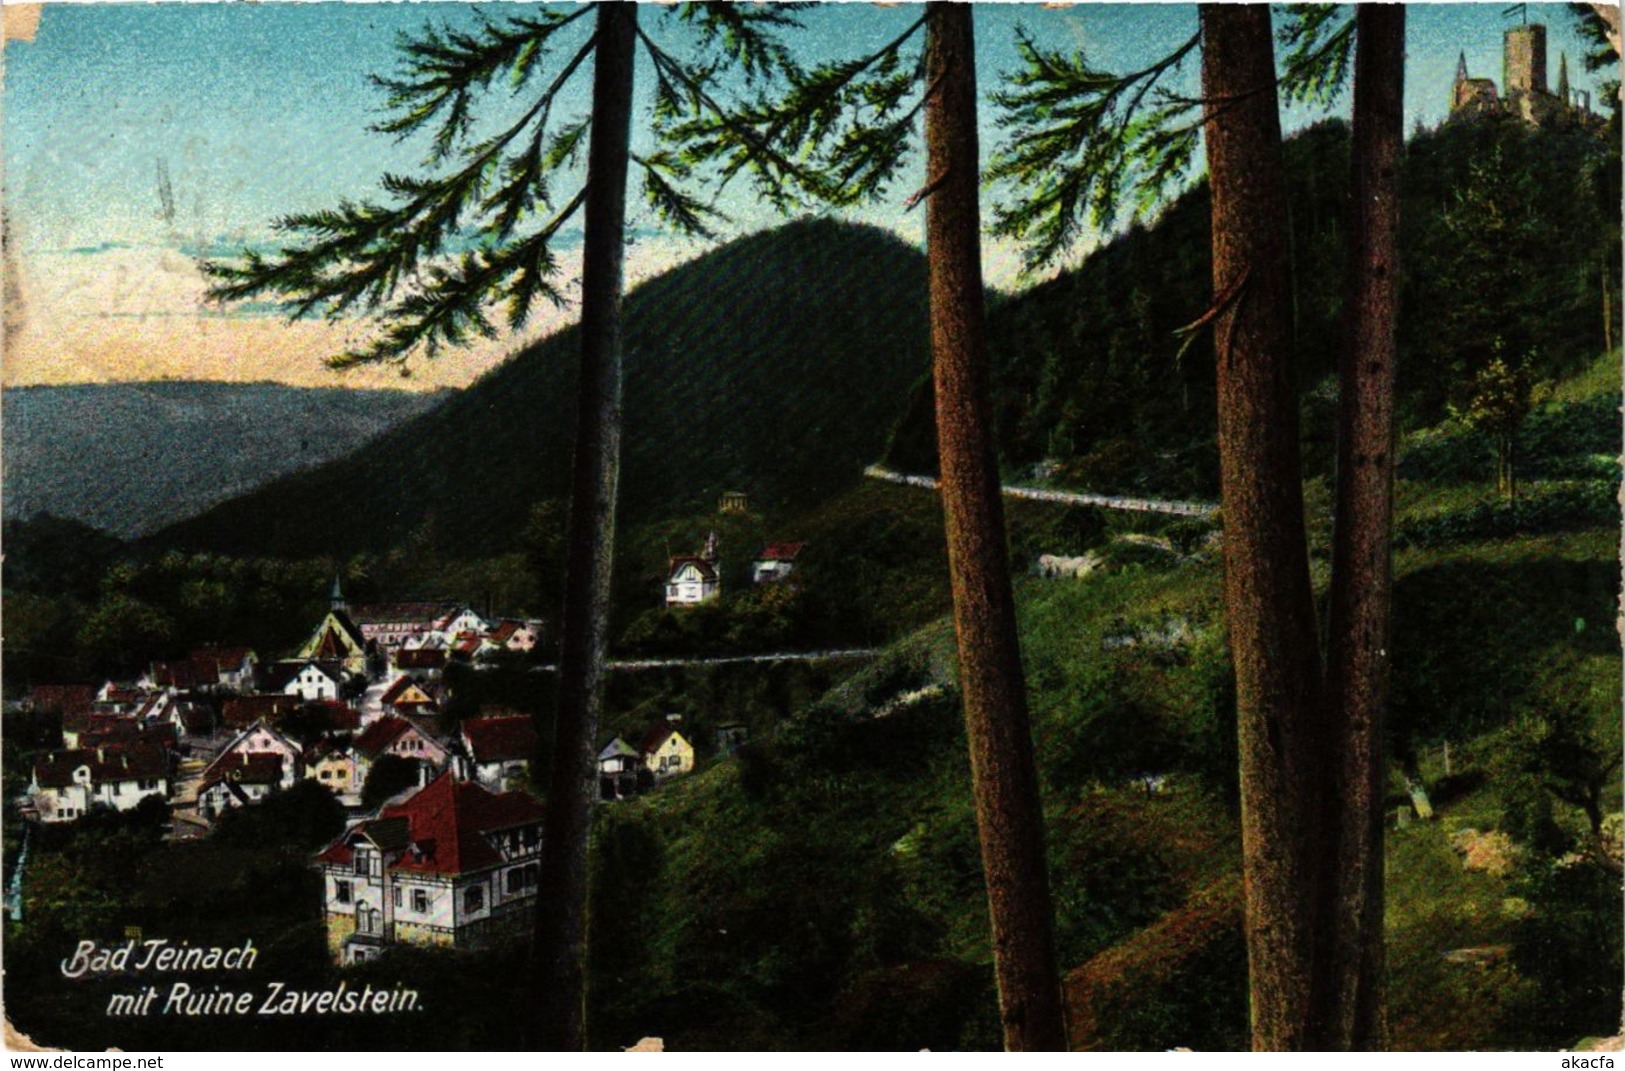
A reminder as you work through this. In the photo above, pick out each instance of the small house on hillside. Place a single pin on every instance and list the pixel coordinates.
(618, 765)
(453, 866)
(692, 579)
(774, 562)
(666, 752)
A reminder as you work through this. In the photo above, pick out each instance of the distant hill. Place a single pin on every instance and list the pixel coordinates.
(131, 457)
(775, 365)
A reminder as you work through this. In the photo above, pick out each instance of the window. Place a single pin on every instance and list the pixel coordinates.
(396, 895)
(420, 901)
(474, 899)
(360, 861)
(516, 880)
(341, 891)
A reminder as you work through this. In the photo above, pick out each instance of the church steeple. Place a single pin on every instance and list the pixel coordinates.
(335, 601)
(1461, 67)
(1563, 77)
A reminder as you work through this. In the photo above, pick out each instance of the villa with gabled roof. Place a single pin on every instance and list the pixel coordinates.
(452, 865)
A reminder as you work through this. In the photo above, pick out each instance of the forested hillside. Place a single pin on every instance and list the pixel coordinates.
(1508, 233)
(775, 365)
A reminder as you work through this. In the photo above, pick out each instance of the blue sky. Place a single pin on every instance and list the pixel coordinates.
(255, 110)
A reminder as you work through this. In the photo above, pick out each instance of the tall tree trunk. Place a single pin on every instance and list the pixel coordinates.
(1351, 964)
(560, 949)
(1267, 594)
(1008, 810)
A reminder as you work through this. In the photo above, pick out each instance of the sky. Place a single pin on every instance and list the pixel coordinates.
(247, 112)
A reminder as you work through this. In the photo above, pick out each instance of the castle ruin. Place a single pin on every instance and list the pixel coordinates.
(1523, 74)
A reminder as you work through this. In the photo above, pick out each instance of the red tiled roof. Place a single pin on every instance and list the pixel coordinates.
(247, 767)
(780, 552)
(242, 712)
(657, 736)
(196, 719)
(504, 630)
(420, 658)
(67, 698)
(377, 737)
(449, 820)
(187, 673)
(445, 822)
(113, 762)
(117, 730)
(500, 739)
(227, 658)
(340, 717)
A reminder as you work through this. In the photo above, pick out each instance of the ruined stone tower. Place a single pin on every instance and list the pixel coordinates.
(1524, 72)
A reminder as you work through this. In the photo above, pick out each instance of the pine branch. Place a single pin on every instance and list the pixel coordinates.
(1081, 140)
(442, 70)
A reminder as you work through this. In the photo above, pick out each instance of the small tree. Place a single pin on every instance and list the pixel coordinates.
(1502, 398)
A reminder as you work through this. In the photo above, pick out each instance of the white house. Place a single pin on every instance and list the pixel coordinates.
(453, 865)
(775, 562)
(68, 784)
(313, 680)
(618, 765)
(499, 749)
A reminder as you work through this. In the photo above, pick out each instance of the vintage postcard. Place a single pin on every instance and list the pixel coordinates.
(552, 526)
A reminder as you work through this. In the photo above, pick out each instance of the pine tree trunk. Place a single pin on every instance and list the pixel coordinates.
(560, 949)
(1351, 964)
(1008, 810)
(1267, 595)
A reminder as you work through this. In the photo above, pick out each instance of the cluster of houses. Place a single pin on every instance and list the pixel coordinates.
(451, 859)
(693, 579)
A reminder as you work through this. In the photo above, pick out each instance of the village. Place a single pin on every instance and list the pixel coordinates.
(443, 839)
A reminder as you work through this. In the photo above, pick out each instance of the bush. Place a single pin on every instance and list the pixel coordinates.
(1565, 507)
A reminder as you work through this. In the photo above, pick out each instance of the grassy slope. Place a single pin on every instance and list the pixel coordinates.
(822, 888)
